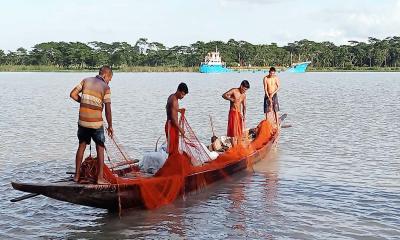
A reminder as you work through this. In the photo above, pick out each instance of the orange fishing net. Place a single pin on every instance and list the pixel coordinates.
(191, 145)
(179, 175)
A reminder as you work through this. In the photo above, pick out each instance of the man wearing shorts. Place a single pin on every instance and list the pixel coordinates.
(94, 95)
(271, 87)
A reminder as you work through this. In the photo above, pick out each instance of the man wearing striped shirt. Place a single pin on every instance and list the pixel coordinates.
(94, 94)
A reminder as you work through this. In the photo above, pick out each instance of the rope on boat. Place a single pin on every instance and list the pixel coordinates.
(118, 190)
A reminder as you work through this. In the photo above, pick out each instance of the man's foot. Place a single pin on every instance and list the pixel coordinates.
(76, 178)
(102, 182)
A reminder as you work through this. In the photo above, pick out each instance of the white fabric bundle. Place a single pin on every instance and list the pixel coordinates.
(213, 155)
(153, 161)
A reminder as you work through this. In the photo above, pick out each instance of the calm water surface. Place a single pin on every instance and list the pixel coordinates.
(335, 174)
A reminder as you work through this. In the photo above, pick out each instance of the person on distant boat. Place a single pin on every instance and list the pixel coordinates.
(172, 128)
(237, 111)
(95, 93)
(271, 87)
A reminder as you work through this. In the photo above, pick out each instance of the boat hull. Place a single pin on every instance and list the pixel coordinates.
(298, 68)
(204, 68)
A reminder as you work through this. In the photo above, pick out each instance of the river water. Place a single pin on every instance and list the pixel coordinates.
(334, 175)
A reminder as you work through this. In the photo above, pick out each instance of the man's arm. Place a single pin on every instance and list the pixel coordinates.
(109, 119)
(277, 86)
(265, 86)
(75, 95)
(75, 92)
(228, 95)
(174, 113)
(244, 106)
(182, 110)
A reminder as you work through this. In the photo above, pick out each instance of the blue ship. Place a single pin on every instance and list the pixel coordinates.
(298, 67)
(213, 64)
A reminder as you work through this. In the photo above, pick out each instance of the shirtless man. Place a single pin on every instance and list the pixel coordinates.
(271, 87)
(172, 128)
(237, 111)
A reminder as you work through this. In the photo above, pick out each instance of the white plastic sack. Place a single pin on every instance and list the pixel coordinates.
(213, 155)
(153, 161)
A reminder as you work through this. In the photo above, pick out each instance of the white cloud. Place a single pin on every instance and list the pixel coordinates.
(178, 22)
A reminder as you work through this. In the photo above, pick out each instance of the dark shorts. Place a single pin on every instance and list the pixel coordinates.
(86, 134)
(275, 103)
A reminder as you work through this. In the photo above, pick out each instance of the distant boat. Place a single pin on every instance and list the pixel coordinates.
(213, 64)
(298, 67)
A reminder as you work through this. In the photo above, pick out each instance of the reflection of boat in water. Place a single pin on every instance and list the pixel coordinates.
(129, 188)
(298, 67)
(213, 64)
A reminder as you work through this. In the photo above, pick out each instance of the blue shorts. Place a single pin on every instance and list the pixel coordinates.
(86, 134)
(267, 104)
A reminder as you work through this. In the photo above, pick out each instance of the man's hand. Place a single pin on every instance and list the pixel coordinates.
(182, 131)
(182, 111)
(110, 131)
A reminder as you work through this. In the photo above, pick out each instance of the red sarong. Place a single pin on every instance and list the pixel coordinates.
(235, 124)
(172, 135)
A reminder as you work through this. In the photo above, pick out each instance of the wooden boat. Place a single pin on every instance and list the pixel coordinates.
(131, 193)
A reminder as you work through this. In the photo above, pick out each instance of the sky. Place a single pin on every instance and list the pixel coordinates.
(24, 23)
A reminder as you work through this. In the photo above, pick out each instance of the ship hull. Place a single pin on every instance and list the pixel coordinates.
(298, 68)
(204, 68)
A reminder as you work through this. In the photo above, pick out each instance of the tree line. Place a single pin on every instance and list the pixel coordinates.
(76, 55)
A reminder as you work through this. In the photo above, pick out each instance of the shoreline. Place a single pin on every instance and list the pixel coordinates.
(44, 68)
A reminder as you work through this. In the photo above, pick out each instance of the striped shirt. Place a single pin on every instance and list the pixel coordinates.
(95, 93)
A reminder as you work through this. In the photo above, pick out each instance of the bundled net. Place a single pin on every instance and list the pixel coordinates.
(116, 159)
(191, 145)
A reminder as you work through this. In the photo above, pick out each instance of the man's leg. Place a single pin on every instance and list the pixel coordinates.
(78, 160)
(276, 110)
(277, 119)
(100, 163)
(266, 107)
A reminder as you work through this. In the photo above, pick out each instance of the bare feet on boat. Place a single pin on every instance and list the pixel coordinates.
(102, 182)
(76, 178)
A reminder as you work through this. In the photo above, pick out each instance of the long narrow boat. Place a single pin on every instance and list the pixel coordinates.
(166, 185)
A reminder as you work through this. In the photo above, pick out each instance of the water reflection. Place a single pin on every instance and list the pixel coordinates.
(269, 168)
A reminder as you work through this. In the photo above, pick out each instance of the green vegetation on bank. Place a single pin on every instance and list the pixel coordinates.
(43, 68)
(144, 56)
(354, 69)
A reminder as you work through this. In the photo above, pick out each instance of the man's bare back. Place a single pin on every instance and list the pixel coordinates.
(236, 98)
(172, 107)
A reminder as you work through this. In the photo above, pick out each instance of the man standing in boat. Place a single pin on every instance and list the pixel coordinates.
(271, 87)
(172, 128)
(95, 93)
(237, 111)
